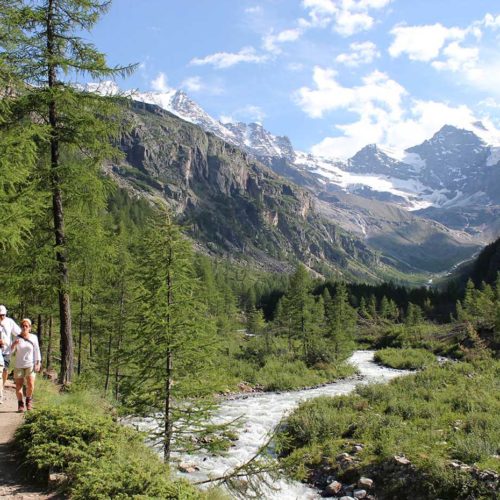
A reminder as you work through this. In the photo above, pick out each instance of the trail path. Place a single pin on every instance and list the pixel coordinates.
(11, 485)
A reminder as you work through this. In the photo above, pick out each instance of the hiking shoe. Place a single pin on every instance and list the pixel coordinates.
(20, 407)
(29, 403)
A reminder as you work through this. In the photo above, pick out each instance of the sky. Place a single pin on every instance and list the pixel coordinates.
(332, 75)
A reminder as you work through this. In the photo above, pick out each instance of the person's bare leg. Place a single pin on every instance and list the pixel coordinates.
(4, 376)
(19, 388)
(30, 386)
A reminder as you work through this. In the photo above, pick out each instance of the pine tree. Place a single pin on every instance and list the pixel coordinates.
(20, 201)
(175, 341)
(297, 310)
(42, 44)
(340, 320)
(414, 315)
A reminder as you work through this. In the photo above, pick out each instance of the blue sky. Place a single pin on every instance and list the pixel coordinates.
(333, 75)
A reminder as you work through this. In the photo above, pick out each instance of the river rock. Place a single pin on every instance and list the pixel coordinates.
(347, 498)
(365, 482)
(187, 468)
(360, 493)
(401, 460)
(333, 488)
(244, 387)
(57, 479)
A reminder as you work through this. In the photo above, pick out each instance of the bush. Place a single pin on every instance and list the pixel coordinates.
(405, 359)
(440, 414)
(101, 458)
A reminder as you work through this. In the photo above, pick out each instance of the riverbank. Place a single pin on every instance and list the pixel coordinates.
(259, 415)
(433, 434)
(73, 439)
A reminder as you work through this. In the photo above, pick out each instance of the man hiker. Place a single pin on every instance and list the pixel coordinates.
(9, 330)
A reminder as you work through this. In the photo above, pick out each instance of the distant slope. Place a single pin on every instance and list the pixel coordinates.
(487, 265)
(232, 204)
(410, 243)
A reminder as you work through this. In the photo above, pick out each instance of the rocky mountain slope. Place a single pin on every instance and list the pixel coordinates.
(355, 193)
(232, 204)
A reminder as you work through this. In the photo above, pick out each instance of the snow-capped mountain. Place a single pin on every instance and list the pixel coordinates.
(451, 171)
(256, 140)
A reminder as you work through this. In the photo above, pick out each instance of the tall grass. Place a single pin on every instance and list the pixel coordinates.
(435, 416)
(405, 359)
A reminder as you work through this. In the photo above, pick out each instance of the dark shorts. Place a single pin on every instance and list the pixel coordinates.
(6, 362)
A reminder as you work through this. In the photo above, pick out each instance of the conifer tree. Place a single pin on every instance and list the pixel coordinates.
(340, 320)
(20, 201)
(297, 309)
(175, 341)
(41, 41)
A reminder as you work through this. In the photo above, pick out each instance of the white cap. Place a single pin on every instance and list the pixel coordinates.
(3, 310)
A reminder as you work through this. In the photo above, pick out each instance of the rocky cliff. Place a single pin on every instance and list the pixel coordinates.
(232, 204)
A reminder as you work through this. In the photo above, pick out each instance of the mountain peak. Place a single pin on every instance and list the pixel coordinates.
(454, 133)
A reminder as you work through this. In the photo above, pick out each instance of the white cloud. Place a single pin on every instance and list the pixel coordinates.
(245, 114)
(347, 17)
(226, 119)
(159, 84)
(386, 114)
(329, 94)
(491, 21)
(422, 43)
(361, 53)
(257, 9)
(349, 23)
(458, 58)
(270, 42)
(222, 60)
(254, 113)
(192, 84)
(295, 66)
(471, 53)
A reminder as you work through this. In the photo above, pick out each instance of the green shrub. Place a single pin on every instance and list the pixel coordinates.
(101, 458)
(440, 414)
(405, 359)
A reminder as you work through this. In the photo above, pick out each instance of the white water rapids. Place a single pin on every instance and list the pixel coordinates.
(261, 413)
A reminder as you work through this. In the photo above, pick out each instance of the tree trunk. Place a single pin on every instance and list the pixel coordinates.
(168, 423)
(80, 328)
(108, 361)
(119, 341)
(91, 339)
(40, 332)
(67, 354)
(49, 346)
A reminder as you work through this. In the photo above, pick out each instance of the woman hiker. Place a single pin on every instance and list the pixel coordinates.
(28, 362)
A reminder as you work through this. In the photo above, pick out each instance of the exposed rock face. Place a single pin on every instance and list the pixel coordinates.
(231, 202)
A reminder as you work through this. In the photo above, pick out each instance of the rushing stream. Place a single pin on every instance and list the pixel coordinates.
(260, 413)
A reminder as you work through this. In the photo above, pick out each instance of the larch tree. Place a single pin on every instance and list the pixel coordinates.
(175, 340)
(340, 320)
(41, 44)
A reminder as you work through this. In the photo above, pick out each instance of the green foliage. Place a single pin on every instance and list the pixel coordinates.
(340, 319)
(437, 415)
(101, 458)
(173, 351)
(405, 359)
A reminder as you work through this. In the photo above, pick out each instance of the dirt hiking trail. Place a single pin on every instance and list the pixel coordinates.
(11, 484)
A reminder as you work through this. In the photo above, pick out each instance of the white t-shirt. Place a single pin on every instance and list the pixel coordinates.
(9, 330)
(27, 353)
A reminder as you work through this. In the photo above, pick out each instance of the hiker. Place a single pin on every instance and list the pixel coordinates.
(9, 330)
(2, 364)
(28, 362)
